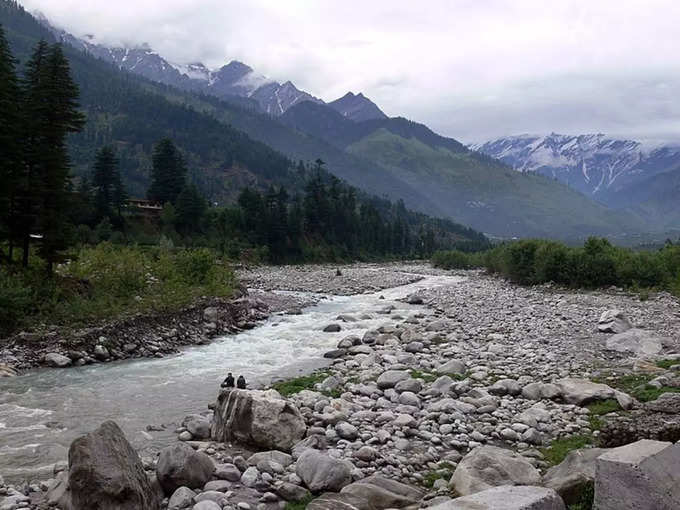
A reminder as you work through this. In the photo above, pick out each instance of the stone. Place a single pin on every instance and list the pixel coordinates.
(412, 385)
(414, 299)
(539, 391)
(346, 431)
(206, 505)
(291, 492)
(414, 347)
(257, 418)
(210, 495)
(182, 498)
(390, 378)
(57, 360)
(381, 492)
(582, 391)
(198, 427)
(668, 403)
(490, 466)
(332, 328)
(335, 354)
(101, 353)
(613, 321)
(217, 486)
(321, 472)
(179, 465)
(638, 476)
(250, 476)
(453, 366)
(58, 493)
(507, 498)
(106, 473)
(333, 501)
(570, 477)
(315, 442)
(637, 342)
(227, 472)
(505, 387)
(274, 456)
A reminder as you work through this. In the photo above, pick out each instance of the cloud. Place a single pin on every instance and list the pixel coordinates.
(469, 69)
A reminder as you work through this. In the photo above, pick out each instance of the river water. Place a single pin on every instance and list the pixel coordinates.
(43, 410)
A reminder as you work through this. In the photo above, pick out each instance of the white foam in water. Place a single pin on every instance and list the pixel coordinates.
(137, 393)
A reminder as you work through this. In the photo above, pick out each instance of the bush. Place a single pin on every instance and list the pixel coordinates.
(453, 259)
(15, 300)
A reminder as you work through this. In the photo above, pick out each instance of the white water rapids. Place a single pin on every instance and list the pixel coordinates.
(42, 411)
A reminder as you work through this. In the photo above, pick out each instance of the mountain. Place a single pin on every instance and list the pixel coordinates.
(357, 107)
(391, 157)
(593, 164)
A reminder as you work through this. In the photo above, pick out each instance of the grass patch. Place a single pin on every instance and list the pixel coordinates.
(428, 378)
(560, 448)
(601, 407)
(445, 472)
(667, 363)
(306, 382)
(299, 505)
(637, 386)
(585, 500)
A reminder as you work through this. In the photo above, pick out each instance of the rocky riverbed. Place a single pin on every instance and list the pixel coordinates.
(469, 385)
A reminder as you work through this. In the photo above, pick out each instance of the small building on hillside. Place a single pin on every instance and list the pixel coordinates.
(141, 208)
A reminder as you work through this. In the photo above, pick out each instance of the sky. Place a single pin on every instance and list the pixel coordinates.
(470, 69)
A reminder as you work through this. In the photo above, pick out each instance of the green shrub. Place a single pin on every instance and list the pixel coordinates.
(15, 300)
(452, 259)
(553, 263)
(520, 261)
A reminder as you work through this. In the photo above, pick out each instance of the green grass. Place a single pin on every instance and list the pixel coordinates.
(636, 385)
(560, 448)
(428, 378)
(445, 472)
(110, 281)
(305, 382)
(667, 363)
(649, 393)
(299, 505)
(600, 408)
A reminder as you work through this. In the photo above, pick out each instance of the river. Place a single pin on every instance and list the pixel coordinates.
(43, 410)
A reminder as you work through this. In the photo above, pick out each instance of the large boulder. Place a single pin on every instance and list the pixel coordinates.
(335, 501)
(638, 476)
(259, 418)
(573, 474)
(321, 472)
(507, 498)
(383, 493)
(613, 321)
(582, 392)
(56, 360)
(179, 465)
(637, 342)
(390, 378)
(106, 473)
(490, 466)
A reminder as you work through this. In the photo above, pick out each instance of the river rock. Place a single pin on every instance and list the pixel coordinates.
(182, 498)
(7, 371)
(390, 378)
(582, 391)
(381, 492)
(637, 342)
(321, 472)
(206, 505)
(613, 321)
(573, 474)
(490, 466)
(332, 328)
(334, 501)
(57, 360)
(198, 426)
(639, 476)
(453, 366)
(259, 418)
(507, 498)
(291, 492)
(180, 465)
(106, 473)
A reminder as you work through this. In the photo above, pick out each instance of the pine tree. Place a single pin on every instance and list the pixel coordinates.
(103, 176)
(168, 173)
(52, 104)
(190, 210)
(10, 162)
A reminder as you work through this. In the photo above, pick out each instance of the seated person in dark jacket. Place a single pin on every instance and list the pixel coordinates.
(228, 382)
(241, 382)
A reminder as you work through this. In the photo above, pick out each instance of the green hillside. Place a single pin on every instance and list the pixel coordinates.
(490, 196)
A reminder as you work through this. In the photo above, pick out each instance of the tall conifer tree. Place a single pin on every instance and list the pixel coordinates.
(168, 173)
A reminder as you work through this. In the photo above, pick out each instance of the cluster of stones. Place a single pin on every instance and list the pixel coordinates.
(136, 337)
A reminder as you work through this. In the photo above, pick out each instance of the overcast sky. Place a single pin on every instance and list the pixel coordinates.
(470, 69)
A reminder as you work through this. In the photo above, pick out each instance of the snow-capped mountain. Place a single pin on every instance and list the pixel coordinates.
(357, 107)
(594, 163)
(233, 81)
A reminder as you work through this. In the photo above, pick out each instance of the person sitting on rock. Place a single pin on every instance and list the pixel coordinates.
(228, 382)
(241, 383)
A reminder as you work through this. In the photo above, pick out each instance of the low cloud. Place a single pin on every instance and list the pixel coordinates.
(471, 70)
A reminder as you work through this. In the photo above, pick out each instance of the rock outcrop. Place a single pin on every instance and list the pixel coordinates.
(258, 418)
(639, 476)
(507, 498)
(106, 473)
(571, 477)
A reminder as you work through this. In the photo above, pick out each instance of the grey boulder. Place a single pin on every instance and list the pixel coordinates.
(573, 474)
(321, 472)
(507, 498)
(613, 321)
(383, 493)
(390, 378)
(106, 473)
(259, 418)
(490, 466)
(180, 465)
(637, 342)
(57, 360)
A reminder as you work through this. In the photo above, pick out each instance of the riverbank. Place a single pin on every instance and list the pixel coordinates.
(412, 389)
